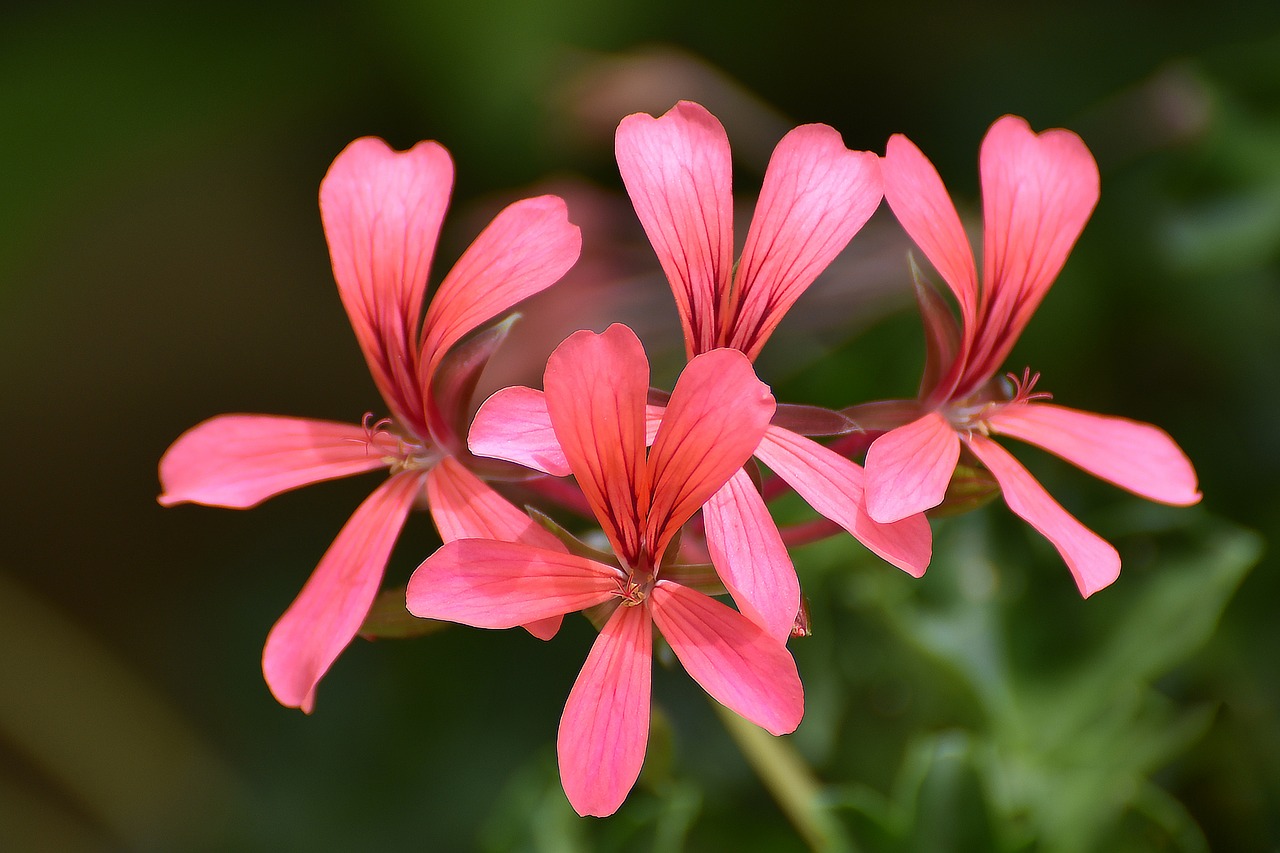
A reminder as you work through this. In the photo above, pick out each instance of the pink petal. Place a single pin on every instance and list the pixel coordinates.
(490, 584)
(750, 556)
(1092, 561)
(735, 661)
(716, 416)
(596, 387)
(833, 486)
(325, 616)
(1038, 191)
(908, 468)
(382, 211)
(816, 195)
(678, 171)
(1135, 456)
(238, 461)
(514, 424)
(605, 727)
(465, 507)
(919, 200)
(524, 250)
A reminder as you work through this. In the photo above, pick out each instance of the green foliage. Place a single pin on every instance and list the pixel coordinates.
(1063, 753)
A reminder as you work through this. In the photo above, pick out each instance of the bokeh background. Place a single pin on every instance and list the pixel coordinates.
(161, 261)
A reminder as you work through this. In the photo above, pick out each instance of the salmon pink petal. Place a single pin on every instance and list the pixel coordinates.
(524, 250)
(750, 556)
(908, 468)
(1135, 456)
(465, 507)
(490, 584)
(1038, 191)
(325, 616)
(678, 171)
(238, 461)
(514, 424)
(382, 211)
(1093, 562)
(605, 727)
(735, 661)
(596, 387)
(816, 195)
(716, 417)
(919, 200)
(833, 486)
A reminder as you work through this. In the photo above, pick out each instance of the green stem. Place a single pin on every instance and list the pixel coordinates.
(789, 780)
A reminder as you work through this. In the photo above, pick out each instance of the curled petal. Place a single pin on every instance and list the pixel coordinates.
(605, 727)
(514, 424)
(449, 402)
(325, 616)
(1093, 562)
(833, 486)
(750, 556)
(1038, 191)
(735, 661)
(942, 337)
(908, 468)
(490, 584)
(919, 200)
(1135, 456)
(596, 387)
(716, 417)
(813, 420)
(382, 211)
(678, 171)
(816, 195)
(524, 250)
(238, 461)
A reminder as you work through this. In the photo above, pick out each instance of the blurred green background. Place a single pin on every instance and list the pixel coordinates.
(161, 261)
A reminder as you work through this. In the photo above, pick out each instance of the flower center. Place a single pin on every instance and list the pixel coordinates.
(638, 582)
(971, 413)
(633, 591)
(399, 451)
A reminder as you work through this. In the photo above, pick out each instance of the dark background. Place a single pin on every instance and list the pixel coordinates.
(161, 261)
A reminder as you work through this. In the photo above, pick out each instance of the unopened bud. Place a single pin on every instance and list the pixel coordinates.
(969, 489)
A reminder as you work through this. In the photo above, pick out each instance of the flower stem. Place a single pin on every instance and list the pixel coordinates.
(792, 785)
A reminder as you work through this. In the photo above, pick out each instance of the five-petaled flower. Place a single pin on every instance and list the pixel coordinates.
(382, 212)
(1038, 191)
(595, 391)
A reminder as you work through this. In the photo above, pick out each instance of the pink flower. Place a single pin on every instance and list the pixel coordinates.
(382, 212)
(1038, 191)
(816, 195)
(596, 386)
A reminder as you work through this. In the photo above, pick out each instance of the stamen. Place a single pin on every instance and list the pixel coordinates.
(372, 429)
(633, 592)
(1023, 388)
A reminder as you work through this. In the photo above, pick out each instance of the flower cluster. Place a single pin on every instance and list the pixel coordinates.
(677, 482)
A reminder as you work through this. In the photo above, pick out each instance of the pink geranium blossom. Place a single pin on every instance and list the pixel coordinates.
(1038, 191)
(815, 197)
(382, 212)
(596, 387)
